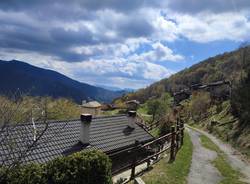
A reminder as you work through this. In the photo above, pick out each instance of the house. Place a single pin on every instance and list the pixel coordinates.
(132, 105)
(92, 107)
(181, 95)
(114, 135)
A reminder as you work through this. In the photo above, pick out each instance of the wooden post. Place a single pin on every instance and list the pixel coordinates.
(172, 150)
(148, 163)
(134, 160)
(133, 169)
(182, 133)
(178, 137)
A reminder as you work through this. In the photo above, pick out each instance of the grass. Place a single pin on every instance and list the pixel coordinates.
(143, 109)
(230, 175)
(155, 132)
(227, 133)
(172, 173)
(111, 112)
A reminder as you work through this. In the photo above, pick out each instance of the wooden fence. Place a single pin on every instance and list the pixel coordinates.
(169, 142)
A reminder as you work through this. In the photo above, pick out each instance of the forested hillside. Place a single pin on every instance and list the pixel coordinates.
(226, 118)
(34, 81)
(227, 66)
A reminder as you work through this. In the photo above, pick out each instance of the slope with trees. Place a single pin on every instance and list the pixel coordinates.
(227, 66)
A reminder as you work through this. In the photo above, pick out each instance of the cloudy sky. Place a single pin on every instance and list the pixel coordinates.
(122, 43)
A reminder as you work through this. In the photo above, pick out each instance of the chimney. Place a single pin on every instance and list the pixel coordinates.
(132, 118)
(85, 128)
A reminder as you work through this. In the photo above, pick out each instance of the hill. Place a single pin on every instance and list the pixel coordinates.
(228, 119)
(16, 75)
(226, 66)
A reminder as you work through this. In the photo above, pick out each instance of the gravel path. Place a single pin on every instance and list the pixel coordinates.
(202, 171)
(234, 157)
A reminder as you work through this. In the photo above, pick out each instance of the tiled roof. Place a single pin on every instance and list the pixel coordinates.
(92, 104)
(133, 102)
(62, 138)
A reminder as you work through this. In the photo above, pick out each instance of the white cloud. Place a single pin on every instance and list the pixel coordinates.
(158, 53)
(118, 72)
(98, 42)
(207, 27)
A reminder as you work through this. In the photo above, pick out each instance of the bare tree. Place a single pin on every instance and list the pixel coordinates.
(15, 139)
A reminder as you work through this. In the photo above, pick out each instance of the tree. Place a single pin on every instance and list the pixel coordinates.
(159, 107)
(199, 104)
(25, 109)
(153, 107)
(241, 100)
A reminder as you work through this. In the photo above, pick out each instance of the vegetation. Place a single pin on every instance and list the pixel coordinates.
(241, 98)
(222, 67)
(158, 107)
(199, 104)
(174, 173)
(230, 176)
(17, 110)
(87, 167)
(226, 126)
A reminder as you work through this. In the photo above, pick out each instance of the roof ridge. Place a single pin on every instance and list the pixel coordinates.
(117, 115)
(60, 121)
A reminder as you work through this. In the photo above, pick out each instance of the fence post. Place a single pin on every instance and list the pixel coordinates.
(148, 163)
(134, 160)
(182, 132)
(172, 150)
(178, 136)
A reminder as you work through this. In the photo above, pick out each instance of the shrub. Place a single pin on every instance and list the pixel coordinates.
(87, 167)
(3, 175)
(28, 174)
(200, 102)
(83, 167)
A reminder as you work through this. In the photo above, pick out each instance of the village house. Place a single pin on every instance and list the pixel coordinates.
(92, 107)
(132, 105)
(114, 135)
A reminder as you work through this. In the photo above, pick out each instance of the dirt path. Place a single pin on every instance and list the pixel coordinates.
(202, 171)
(233, 156)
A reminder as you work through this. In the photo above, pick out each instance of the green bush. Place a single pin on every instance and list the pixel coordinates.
(3, 175)
(28, 174)
(82, 167)
(87, 167)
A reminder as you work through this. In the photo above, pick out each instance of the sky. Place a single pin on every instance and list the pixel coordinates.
(120, 43)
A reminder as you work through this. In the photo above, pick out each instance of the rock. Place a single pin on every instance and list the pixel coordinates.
(138, 180)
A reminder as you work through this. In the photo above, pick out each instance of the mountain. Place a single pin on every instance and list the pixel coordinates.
(227, 66)
(112, 88)
(16, 75)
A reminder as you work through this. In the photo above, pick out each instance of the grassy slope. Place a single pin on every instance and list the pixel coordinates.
(230, 133)
(230, 175)
(172, 173)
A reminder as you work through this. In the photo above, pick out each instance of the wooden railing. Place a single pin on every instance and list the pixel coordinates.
(169, 142)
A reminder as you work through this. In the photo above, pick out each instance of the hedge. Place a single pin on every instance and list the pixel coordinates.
(86, 167)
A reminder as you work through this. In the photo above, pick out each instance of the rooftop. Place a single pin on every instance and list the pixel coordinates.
(92, 104)
(108, 134)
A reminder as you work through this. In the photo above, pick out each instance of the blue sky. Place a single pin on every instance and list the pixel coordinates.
(126, 44)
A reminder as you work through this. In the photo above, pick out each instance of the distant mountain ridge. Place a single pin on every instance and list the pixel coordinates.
(112, 88)
(28, 79)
